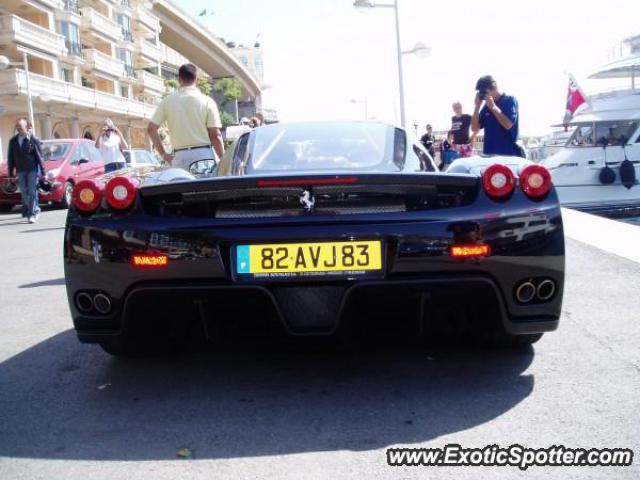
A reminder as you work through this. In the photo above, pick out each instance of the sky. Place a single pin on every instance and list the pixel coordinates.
(320, 55)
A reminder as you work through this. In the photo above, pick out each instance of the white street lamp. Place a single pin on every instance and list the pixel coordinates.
(420, 49)
(6, 63)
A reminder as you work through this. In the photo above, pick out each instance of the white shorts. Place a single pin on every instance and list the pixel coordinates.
(184, 158)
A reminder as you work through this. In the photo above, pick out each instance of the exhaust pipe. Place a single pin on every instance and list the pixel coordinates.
(84, 302)
(102, 303)
(545, 290)
(525, 292)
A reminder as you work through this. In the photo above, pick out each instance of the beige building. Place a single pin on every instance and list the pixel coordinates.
(250, 58)
(93, 59)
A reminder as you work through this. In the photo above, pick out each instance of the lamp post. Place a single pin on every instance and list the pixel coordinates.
(6, 63)
(366, 106)
(420, 49)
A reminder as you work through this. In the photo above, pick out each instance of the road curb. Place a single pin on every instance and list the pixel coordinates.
(619, 238)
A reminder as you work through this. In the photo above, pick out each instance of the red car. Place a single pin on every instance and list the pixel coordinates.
(67, 162)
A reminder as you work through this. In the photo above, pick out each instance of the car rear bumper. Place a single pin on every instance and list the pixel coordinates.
(412, 307)
(420, 285)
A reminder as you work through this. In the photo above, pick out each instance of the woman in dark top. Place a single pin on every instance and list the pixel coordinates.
(460, 125)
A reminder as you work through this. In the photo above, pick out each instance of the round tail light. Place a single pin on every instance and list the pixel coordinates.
(498, 181)
(535, 181)
(87, 195)
(121, 192)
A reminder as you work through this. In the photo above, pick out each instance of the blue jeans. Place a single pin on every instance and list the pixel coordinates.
(28, 183)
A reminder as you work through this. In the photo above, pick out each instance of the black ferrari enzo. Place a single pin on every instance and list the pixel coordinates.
(311, 229)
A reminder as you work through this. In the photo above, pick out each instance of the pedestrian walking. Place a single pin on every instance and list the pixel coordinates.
(25, 158)
(111, 142)
(193, 121)
(498, 117)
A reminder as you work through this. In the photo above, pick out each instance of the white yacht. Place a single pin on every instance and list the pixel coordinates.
(599, 166)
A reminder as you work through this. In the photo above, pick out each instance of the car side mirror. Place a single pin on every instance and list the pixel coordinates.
(82, 160)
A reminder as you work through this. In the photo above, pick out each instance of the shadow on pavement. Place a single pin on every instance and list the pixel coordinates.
(22, 221)
(43, 230)
(64, 400)
(44, 283)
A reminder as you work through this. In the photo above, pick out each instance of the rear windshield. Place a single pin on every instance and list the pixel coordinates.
(55, 150)
(318, 147)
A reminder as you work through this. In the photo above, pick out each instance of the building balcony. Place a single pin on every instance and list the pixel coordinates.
(53, 4)
(101, 63)
(146, 21)
(172, 58)
(14, 82)
(73, 53)
(17, 31)
(71, 16)
(149, 53)
(130, 75)
(151, 83)
(127, 35)
(72, 6)
(99, 25)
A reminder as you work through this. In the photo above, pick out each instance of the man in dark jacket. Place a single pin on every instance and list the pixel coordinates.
(428, 141)
(26, 158)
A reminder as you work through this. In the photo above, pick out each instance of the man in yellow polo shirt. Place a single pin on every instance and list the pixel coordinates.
(193, 120)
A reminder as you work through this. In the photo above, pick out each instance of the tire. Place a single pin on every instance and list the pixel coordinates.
(5, 208)
(67, 196)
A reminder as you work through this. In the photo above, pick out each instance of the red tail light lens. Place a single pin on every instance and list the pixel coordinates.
(498, 181)
(535, 181)
(466, 251)
(121, 192)
(87, 195)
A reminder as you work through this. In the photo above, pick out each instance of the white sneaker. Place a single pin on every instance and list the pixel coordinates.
(36, 216)
(32, 220)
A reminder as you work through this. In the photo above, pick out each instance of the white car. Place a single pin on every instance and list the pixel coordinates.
(138, 157)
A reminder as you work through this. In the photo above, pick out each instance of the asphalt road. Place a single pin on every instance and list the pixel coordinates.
(70, 411)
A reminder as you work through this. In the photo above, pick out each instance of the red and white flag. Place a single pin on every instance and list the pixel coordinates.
(576, 99)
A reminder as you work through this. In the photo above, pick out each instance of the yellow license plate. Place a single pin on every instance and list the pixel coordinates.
(300, 258)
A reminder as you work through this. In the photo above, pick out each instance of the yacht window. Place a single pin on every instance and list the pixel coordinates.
(615, 133)
(582, 137)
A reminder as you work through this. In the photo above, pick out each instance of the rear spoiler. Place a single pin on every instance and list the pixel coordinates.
(245, 186)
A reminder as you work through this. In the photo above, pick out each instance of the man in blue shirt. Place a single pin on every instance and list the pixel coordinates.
(498, 117)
